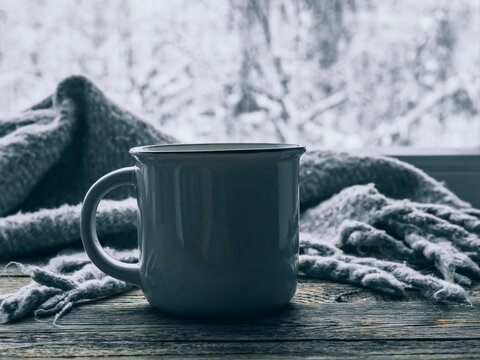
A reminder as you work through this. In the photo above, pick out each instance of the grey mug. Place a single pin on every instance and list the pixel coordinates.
(217, 227)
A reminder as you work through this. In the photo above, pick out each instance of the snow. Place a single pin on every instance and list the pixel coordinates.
(336, 74)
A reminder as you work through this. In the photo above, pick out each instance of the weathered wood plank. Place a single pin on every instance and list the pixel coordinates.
(309, 290)
(314, 325)
(358, 321)
(132, 327)
(261, 350)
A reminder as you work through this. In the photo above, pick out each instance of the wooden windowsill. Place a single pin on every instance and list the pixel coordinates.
(458, 168)
(416, 151)
(437, 159)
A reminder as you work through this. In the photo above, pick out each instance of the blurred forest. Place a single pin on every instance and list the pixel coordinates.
(325, 73)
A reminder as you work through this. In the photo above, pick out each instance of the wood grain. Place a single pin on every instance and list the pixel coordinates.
(319, 323)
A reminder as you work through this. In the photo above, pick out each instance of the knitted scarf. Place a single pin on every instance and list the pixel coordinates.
(370, 221)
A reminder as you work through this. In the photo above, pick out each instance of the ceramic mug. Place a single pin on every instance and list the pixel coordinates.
(217, 227)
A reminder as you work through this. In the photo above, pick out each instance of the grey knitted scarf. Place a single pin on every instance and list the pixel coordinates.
(370, 221)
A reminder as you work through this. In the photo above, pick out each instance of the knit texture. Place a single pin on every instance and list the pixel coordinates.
(370, 221)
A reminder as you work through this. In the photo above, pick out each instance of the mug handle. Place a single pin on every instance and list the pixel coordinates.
(106, 263)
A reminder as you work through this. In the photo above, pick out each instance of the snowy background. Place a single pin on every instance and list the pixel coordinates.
(325, 73)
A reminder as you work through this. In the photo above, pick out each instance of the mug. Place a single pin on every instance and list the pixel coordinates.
(217, 227)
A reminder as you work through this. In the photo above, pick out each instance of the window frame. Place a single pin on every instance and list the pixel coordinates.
(459, 169)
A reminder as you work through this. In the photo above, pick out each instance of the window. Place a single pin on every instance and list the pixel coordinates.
(339, 73)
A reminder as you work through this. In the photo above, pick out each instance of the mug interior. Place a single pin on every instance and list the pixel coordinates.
(216, 148)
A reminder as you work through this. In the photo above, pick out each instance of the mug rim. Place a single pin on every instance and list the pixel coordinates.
(215, 148)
